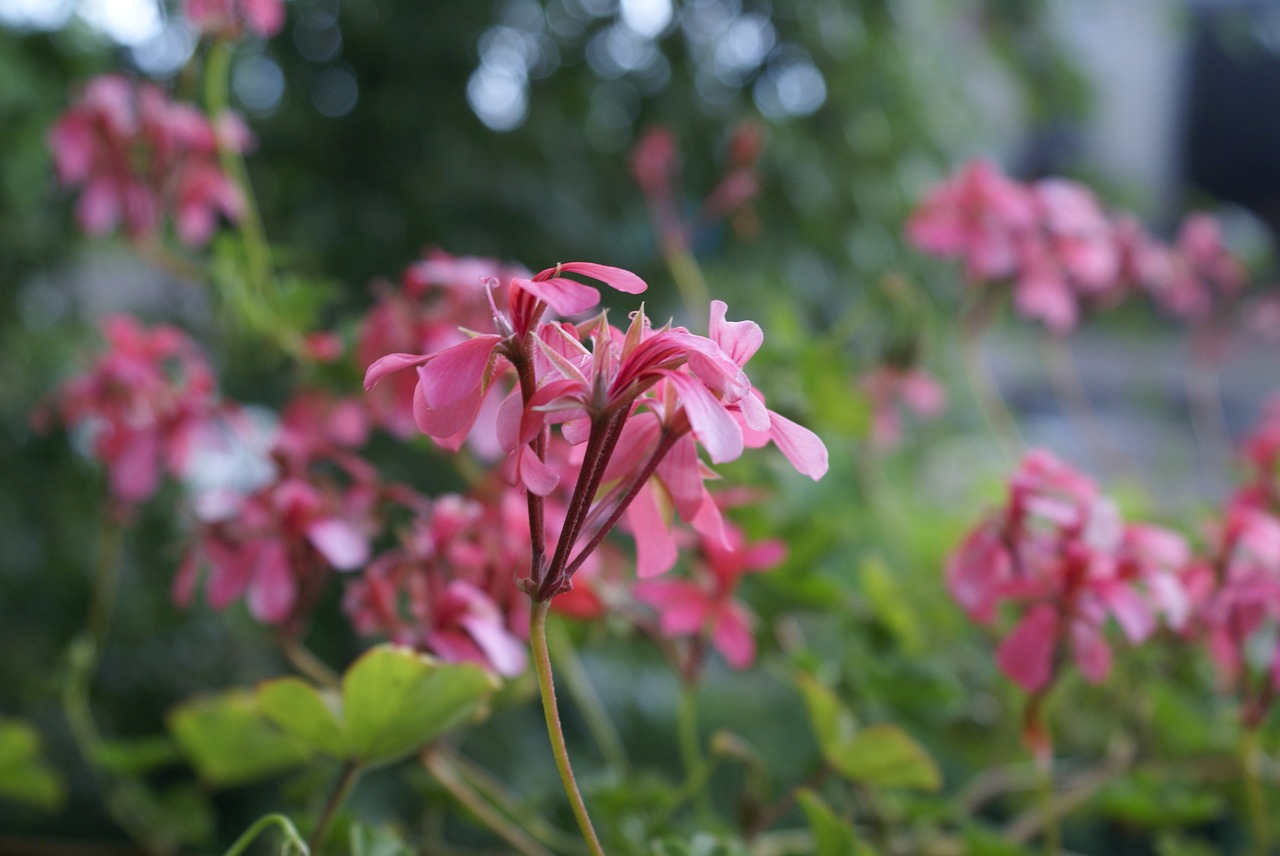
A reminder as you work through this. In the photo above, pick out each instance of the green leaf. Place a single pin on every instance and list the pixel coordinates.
(133, 757)
(396, 700)
(228, 741)
(883, 591)
(302, 711)
(831, 835)
(886, 756)
(24, 775)
(832, 722)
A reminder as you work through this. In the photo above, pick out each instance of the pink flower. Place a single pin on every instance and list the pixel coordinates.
(137, 156)
(140, 404)
(978, 216)
(1060, 551)
(889, 388)
(706, 605)
(229, 18)
(1198, 272)
(449, 588)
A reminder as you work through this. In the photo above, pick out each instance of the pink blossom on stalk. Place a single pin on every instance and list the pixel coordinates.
(889, 388)
(1060, 551)
(137, 156)
(230, 18)
(141, 403)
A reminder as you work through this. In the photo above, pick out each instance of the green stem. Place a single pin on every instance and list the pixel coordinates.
(695, 764)
(255, 309)
(588, 700)
(124, 798)
(995, 412)
(496, 791)
(1044, 781)
(346, 781)
(689, 280)
(1255, 799)
(546, 686)
(457, 786)
(287, 829)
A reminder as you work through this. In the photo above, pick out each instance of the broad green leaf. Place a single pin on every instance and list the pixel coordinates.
(395, 700)
(886, 756)
(228, 741)
(831, 835)
(24, 775)
(133, 757)
(303, 712)
(832, 722)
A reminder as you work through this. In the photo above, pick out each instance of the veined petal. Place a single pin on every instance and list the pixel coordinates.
(456, 372)
(803, 448)
(715, 429)
(392, 363)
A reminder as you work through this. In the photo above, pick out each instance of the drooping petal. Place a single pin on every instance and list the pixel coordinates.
(616, 278)
(803, 448)
(656, 551)
(1026, 655)
(732, 637)
(392, 363)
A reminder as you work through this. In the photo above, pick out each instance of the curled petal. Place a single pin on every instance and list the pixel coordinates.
(616, 278)
(392, 363)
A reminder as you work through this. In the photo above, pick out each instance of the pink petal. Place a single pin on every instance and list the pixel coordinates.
(715, 429)
(342, 545)
(1026, 655)
(392, 363)
(1091, 652)
(505, 653)
(739, 339)
(732, 636)
(135, 472)
(273, 589)
(1131, 611)
(803, 448)
(457, 372)
(617, 278)
(656, 551)
(565, 296)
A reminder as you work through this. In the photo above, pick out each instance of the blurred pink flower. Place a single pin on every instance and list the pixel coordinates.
(137, 157)
(890, 388)
(140, 404)
(707, 604)
(1060, 551)
(229, 19)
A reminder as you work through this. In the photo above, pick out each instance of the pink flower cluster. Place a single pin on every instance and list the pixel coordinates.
(141, 404)
(137, 157)
(229, 19)
(1062, 253)
(1060, 553)
(631, 406)
(278, 544)
(890, 389)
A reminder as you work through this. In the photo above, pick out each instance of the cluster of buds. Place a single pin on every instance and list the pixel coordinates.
(139, 157)
(1062, 253)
